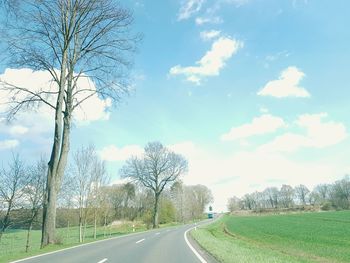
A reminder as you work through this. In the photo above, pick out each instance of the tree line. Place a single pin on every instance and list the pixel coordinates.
(324, 196)
(88, 199)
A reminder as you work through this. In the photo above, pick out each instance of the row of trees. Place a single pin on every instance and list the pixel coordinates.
(153, 194)
(326, 196)
(21, 194)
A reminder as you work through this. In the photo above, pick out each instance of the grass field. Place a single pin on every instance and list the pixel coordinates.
(305, 237)
(12, 245)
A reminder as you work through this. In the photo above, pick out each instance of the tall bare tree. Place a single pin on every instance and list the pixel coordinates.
(70, 40)
(157, 168)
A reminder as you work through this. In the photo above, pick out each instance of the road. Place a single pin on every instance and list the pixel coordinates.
(161, 245)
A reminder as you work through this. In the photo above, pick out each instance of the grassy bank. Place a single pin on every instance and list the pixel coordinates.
(13, 243)
(305, 237)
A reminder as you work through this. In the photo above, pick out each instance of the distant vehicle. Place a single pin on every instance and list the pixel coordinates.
(210, 215)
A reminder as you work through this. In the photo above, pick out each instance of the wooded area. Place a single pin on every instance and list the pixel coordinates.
(334, 196)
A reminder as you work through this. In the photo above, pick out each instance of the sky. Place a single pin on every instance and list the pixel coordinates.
(254, 93)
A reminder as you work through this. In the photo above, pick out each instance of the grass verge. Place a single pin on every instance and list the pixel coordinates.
(13, 243)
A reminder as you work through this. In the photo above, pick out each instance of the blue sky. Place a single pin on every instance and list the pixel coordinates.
(254, 93)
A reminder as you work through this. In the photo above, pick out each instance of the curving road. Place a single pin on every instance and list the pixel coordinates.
(168, 245)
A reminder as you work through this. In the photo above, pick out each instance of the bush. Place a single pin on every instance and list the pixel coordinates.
(326, 206)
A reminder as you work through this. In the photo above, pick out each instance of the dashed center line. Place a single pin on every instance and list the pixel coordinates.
(103, 260)
(157, 233)
(141, 240)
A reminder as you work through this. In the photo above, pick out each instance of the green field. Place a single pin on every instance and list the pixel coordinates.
(13, 243)
(305, 237)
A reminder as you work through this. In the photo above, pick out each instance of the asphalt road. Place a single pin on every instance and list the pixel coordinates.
(161, 245)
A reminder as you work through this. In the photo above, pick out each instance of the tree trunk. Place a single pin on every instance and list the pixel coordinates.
(57, 162)
(49, 213)
(155, 211)
(28, 235)
(68, 234)
(95, 223)
(80, 225)
(6, 220)
(84, 232)
(104, 226)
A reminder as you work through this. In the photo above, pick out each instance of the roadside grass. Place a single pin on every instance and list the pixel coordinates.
(303, 237)
(13, 243)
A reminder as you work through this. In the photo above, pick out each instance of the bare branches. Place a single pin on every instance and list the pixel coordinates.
(95, 35)
(157, 169)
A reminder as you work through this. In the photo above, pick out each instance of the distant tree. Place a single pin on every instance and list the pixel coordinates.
(233, 204)
(157, 169)
(99, 178)
(340, 193)
(271, 195)
(322, 192)
(286, 196)
(82, 170)
(302, 192)
(248, 202)
(13, 180)
(177, 196)
(200, 196)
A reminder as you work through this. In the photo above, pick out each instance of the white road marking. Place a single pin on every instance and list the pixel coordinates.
(201, 259)
(103, 260)
(157, 233)
(141, 240)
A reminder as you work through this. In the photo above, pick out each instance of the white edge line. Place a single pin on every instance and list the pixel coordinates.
(201, 259)
(141, 240)
(103, 260)
(81, 245)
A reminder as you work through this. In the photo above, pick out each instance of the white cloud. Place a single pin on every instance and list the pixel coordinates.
(264, 110)
(112, 153)
(237, 3)
(188, 8)
(318, 134)
(212, 62)
(40, 119)
(18, 130)
(246, 171)
(208, 20)
(286, 86)
(8, 144)
(208, 35)
(259, 125)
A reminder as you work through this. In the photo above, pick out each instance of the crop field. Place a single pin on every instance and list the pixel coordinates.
(304, 237)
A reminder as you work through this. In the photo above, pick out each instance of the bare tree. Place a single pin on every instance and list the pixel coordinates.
(99, 178)
(302, 193)
(286, 196)
(81, 168)
(13, 180)
(197, 197)
(157, 168)
(178, 197)
(233, 204)
(34, 193)
(271, 195)
(70, 40)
